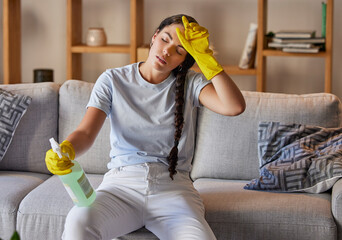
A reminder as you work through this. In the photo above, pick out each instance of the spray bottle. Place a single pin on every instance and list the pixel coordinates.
(76, 183)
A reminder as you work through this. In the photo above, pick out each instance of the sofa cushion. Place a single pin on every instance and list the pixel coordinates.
(31, 139)
(14, 187)
(13, 108)
(74, 96)
(336, 205)
(226, 147)
(235, 213)
(42, 212)
(297, 157)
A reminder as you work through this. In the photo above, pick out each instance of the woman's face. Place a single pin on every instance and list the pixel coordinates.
(166, 52)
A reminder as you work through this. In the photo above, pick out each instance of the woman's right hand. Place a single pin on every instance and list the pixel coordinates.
(60, 166)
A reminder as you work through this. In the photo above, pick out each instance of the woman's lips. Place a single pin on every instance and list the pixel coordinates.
(161, 60)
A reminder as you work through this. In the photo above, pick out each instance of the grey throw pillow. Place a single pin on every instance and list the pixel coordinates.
(298, 158)
(12, 109)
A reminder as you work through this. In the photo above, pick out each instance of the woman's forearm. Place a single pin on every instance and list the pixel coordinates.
(228, 93)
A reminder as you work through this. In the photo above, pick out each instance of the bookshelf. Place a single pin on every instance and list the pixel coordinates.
(264, 52)
(75, 46)
(11, 41)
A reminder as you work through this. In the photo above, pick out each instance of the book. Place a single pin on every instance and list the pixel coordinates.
(248, 54)
(301, 50)
(292, 45)
(324, 18)
(295, 34)
(299, 40)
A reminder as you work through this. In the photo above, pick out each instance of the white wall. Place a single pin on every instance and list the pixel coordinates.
(44, 37)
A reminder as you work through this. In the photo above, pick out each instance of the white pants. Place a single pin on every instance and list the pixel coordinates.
(141, 195)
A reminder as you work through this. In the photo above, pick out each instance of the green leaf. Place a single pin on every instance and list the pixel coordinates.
(15, 236)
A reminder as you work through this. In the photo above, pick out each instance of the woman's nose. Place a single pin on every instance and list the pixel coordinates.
(166, 51)
(169, 50)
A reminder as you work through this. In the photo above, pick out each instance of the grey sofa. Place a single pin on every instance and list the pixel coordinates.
(35, 203)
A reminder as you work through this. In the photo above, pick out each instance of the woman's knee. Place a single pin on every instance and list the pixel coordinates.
(79, 225)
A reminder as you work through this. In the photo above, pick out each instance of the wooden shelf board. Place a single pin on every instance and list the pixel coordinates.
(274, 52)
(110, 48)
(233, 70)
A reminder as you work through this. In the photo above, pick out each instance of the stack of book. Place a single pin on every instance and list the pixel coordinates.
(297, 41)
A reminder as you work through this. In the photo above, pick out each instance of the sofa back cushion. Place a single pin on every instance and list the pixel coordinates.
(226, 147)
(31, 139)
(74, 96)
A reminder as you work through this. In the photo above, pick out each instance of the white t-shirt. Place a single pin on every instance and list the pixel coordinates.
(142, 116)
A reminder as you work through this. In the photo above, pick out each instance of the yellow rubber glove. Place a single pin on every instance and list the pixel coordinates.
(60, 166)
(195, 41)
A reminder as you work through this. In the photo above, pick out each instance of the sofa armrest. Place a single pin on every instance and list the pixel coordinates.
(336, 205)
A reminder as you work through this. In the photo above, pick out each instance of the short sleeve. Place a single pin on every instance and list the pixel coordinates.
(101, 95)
(195, 83)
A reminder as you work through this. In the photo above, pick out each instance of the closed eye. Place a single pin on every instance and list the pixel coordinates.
(180, 51)
(167, 37)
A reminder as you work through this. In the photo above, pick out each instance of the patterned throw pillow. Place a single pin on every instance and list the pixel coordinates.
(12, 109)
(298, 158)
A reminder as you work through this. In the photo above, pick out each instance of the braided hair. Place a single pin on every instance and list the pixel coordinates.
(180, 73)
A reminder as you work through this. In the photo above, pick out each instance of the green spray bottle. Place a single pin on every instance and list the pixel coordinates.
(76, 183)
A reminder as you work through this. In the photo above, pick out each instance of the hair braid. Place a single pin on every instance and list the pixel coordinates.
(179, 121)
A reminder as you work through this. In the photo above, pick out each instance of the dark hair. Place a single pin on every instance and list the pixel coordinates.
(180, 73)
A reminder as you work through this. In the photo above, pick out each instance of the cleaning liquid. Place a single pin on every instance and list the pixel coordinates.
(76, 183)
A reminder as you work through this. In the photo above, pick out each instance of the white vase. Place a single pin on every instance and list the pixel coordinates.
(96, 37)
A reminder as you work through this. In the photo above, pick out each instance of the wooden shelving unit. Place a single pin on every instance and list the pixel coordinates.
(264, 52)
(11, 41)
(110, 48)
(75, 46)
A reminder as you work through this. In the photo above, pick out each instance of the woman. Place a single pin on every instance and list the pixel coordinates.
(151, 109)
